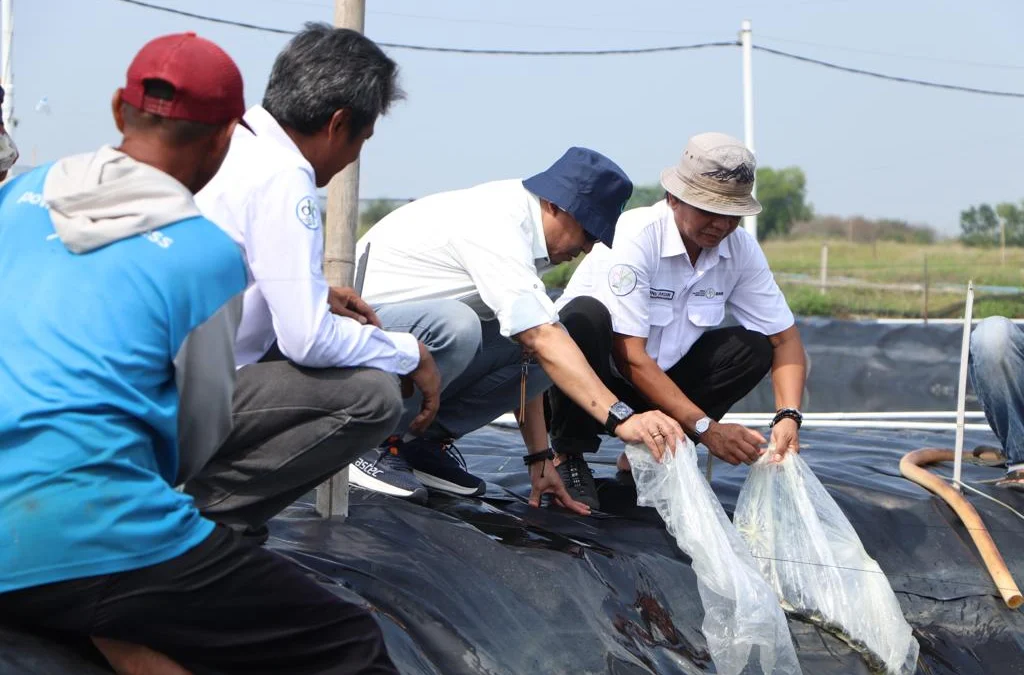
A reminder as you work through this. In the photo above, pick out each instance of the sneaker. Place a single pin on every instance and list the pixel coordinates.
(383, 470)
(579, 481)
(440, 465)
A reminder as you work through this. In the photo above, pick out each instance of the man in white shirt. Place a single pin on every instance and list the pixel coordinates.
(645, 311)
(317, 381)
(475, 257)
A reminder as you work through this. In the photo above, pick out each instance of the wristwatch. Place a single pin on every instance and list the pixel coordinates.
(702, 425)
(617, 414)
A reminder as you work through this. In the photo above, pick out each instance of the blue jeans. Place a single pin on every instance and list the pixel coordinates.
(480, 369)
(997, 374)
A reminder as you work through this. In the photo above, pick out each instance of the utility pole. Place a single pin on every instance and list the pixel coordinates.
(750, 222)
(339, 251)
(1002, 242)
(6, 70)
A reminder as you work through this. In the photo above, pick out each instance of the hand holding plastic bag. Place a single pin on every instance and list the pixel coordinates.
(813, 558)
(740, 610)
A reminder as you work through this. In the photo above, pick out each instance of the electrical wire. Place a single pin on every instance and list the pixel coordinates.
(891, 78)
(608, 52)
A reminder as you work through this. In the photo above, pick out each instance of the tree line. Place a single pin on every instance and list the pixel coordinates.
(786, 212)
(984, 225)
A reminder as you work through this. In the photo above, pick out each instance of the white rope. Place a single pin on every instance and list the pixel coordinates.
(979, 492)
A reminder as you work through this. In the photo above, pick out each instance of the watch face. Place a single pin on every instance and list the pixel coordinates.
(620, 411)
(702, 425)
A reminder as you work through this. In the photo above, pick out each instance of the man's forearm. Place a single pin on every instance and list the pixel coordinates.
(789, 368)
(565, 364)
(651, 381)
(534, 429)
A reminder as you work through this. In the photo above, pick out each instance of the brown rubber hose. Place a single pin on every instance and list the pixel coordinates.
(910, 467)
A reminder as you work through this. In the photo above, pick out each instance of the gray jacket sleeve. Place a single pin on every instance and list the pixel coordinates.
(205, 374)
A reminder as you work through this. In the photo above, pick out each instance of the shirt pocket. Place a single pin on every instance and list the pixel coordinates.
(706, 314)
(661, 314)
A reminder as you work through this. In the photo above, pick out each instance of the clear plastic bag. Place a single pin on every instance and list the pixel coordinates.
(813, 558)
(740, 610)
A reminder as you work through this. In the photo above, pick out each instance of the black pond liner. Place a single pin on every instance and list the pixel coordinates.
(493, 586)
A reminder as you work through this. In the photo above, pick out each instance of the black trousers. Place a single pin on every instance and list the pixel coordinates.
(225, 606)
(720, 369)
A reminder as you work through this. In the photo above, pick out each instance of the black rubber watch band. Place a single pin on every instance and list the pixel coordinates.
(535, 457)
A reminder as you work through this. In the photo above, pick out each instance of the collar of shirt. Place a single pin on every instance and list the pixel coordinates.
(673, 244)
(265, 126)
(540, 244)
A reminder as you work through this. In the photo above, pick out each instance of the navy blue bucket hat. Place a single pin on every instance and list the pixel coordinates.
(587, 185)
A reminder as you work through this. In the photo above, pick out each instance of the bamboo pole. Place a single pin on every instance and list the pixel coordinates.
(911, 468)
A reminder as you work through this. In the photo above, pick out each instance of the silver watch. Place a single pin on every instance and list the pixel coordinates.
(702, 425)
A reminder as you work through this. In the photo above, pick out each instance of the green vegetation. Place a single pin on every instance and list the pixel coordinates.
(895, 262)
(899, 268)
(876, 268)
(783, 196)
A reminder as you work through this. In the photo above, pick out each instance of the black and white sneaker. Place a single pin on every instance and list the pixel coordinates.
(439, 465)
(383, 470)
(579, 481)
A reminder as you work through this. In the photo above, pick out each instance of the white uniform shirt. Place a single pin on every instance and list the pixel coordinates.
(484, 246)
(264, 197)
(651, 290)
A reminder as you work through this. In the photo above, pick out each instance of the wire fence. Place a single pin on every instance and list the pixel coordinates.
(892, 280)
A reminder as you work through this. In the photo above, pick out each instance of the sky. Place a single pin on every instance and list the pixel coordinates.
(868, 147)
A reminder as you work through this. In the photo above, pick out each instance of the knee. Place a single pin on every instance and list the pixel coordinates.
(585, 313)
(458, 327)
(993, 337)
(761, 351)
(379, 398)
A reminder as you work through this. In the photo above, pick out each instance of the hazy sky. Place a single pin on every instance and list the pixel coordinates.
(869, 147)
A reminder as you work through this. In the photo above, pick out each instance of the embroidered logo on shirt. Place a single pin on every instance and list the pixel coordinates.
(622, 279)
(308, 212)
(662, 294)
(708, 292)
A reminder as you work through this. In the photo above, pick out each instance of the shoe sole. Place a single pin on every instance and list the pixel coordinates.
(367, 482)
(445, 486)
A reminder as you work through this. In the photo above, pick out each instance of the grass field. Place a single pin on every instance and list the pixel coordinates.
(949, 267)
(900, 268)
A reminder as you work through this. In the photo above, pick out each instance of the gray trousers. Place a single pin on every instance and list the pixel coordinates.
(481, 370)
(294, 427)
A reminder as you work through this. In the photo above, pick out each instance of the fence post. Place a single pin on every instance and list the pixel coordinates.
(926, 288)
(824, 267)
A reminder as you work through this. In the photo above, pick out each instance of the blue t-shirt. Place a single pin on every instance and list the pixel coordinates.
(88, 400)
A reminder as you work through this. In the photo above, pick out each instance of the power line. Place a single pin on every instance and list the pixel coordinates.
(876, 52)
(891, 78)
(606, 52)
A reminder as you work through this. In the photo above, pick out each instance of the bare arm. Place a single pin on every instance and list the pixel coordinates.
(544, 477)
(565, 364)
(534, 430)
(789, 373)
(644, 373)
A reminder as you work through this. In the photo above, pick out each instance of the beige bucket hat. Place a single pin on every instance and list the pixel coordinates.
(715, 173)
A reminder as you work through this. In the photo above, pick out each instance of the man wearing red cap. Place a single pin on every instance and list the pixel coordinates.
(116, 382)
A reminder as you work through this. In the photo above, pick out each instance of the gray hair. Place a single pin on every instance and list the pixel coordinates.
(324, 69)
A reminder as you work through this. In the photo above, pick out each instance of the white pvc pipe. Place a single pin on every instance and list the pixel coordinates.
(961, 395)
(835, 420)
(910, 415)
(6, 67)
(862, 424)
(750, 222)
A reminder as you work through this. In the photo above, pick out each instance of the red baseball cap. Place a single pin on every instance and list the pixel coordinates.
(207, 83)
